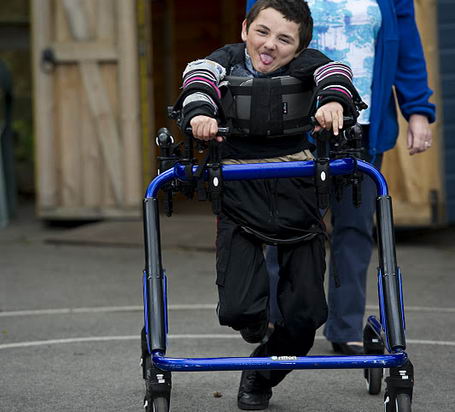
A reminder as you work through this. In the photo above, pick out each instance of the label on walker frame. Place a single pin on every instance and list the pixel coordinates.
(284, 358)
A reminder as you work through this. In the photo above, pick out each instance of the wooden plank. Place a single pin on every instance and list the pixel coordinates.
(89, 146)
(77, 17)
(106, 19)
(92, 16)
(67, 120)
(129, 99)
(109, 74)
(67, 93)
(71, 52)
(91, 177)
(46, 177)
(106, 127)
(62, 31)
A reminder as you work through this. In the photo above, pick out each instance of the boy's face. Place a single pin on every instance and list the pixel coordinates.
(271, 40)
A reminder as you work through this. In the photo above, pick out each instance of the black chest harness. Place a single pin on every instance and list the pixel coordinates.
(269, 107)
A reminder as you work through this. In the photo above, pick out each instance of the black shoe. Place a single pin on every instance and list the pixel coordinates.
(254, 392)
(256, 332)
(347, 349)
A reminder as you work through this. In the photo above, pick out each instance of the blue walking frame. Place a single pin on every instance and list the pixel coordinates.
(391, 324)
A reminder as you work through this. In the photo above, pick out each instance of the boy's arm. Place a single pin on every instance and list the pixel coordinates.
(333, 82)
(200, 94)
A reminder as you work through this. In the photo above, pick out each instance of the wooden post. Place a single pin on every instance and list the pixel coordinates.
(129, 101)
(45, 144)
(146, 88)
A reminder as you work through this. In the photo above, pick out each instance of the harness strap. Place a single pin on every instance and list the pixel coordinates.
(274, 241)
(259, 107)
(304, 121)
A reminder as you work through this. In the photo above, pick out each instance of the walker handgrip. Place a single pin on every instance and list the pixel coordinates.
(222, 131)
(348, 121)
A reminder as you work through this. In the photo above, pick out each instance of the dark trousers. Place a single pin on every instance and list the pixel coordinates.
(243, 287)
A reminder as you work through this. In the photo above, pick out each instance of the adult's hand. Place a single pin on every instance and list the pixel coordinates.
(205, 128)
(419, 134)
(330, 116)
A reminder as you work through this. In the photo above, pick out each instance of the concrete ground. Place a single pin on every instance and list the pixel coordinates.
(70, 317)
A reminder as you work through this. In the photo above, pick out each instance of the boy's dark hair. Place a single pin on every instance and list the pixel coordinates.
(293, 10)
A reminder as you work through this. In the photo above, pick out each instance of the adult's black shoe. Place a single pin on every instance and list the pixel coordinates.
(347, 348)
(254, 392)
(255, 332)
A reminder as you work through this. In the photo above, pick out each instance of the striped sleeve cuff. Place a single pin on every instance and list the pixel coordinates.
(332, 69)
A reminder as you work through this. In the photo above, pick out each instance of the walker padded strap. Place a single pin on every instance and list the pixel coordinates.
(259, 108)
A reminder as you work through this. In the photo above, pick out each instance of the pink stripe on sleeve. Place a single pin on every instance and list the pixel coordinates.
(204, 80)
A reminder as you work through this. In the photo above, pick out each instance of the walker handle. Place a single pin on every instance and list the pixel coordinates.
(348, 121)
(222, 131)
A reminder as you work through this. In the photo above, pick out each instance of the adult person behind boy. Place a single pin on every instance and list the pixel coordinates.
(379, 40)
(275, 34)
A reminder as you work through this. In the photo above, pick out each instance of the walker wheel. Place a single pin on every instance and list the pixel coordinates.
(158, 385)
(160, 404)
(401, 403)
(373, 377)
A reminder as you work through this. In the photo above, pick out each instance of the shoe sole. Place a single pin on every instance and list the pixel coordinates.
(246, 407)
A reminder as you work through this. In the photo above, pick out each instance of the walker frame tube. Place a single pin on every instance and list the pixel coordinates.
(389, 277)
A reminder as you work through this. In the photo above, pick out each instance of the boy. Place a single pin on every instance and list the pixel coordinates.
(278, 211)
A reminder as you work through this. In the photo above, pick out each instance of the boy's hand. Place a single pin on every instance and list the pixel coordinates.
(205, 128)
(330, 116)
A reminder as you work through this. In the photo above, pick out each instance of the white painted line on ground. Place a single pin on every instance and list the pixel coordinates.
(203, 306)
(418, 309)
(16, 345)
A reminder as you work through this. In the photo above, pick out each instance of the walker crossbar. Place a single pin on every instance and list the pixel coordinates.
(275, 170)
(390, 292)
(279, 362)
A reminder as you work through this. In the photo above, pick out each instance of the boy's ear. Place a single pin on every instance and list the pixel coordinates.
(244, 30)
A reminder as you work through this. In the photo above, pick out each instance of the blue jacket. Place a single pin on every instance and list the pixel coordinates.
(399, 62)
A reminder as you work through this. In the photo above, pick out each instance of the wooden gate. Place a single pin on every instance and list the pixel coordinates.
(87, 137)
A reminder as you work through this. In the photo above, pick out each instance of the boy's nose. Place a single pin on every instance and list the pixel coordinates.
(270, 44)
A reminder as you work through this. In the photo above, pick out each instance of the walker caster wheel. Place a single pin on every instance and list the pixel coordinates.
(156, 405)
(400, 384)
(158, 384)
(400, 403)
(373, 377)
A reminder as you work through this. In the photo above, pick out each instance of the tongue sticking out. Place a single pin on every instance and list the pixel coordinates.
(266, 59)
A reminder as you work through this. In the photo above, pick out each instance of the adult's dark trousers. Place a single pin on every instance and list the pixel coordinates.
(352, 244)
(243, 287)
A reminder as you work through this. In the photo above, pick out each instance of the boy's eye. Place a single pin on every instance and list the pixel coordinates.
(261, 31)
(285, 40)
